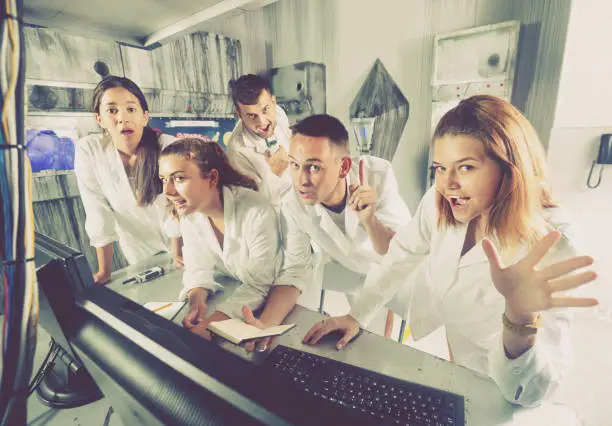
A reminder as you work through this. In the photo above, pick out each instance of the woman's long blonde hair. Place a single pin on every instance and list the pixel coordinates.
(510, 140)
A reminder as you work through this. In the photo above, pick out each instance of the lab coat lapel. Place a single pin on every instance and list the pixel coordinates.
(116, 172)
(475, 255)
(445, 267)
(230, 242)
(330, 230)
(203, 227)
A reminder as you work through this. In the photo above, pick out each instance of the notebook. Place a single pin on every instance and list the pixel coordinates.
(237, 331)
(167, 310)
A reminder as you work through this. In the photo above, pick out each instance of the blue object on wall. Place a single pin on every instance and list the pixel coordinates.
(47, 151)
(212, 129)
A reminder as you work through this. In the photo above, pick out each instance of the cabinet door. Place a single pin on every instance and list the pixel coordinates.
(479, 60)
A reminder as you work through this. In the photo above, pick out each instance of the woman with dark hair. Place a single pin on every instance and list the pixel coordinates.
(117, 177)
(496, 263)
(229, 229)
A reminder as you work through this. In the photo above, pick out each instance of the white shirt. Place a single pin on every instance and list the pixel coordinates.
(303, 224)
(247, 153)
(111, 209)
(251, 250)
(339, 218)
(457, 291)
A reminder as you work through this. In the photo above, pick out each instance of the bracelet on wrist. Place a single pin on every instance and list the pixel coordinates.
(522, 329)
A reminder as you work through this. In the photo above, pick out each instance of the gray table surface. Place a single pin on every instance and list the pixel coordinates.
(484, 404)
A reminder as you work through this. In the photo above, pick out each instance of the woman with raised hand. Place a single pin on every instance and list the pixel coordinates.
(496, 260)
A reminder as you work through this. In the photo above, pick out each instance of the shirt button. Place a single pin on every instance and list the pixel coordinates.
(516, 371)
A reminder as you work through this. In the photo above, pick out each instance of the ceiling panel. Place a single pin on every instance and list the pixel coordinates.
(131, 20)
(137, 22)
(44, 9)
(147, 16)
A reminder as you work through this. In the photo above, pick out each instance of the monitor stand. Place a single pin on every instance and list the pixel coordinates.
(67, 385)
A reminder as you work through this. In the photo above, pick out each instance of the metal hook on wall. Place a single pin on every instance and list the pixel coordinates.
(604, 157)
(591, 173)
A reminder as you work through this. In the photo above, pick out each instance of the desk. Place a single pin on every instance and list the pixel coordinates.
(484, 404)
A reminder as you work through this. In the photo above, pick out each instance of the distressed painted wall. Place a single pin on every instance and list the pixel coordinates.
(348, 36)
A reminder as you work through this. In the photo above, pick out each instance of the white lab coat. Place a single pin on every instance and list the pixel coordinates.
(247, 153)
(251, 250)
(302, 225)
(111, 209)
(457, 291)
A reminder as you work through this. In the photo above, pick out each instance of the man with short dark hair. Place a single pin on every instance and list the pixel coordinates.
(259, 143)
(349, 209)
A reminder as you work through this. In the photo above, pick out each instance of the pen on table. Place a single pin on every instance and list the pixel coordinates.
(162, 307)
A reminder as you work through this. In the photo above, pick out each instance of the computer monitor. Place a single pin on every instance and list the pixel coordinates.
(51, 259)
(155, 372)
(62, 272)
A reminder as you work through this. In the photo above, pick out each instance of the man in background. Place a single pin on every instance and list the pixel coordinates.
(259, 143)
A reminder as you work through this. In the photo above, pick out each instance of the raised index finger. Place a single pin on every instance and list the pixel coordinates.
(361, 173)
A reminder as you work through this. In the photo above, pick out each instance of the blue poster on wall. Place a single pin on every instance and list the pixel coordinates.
(210, 129)
(53, 149)
(50, 149)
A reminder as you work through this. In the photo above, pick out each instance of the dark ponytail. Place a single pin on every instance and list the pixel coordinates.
(147, 184)
(209, 156)
(146, 169)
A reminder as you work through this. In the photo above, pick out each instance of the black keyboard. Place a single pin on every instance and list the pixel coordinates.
(388, 400)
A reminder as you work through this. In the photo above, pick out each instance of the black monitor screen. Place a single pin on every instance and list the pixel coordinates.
(62, 273)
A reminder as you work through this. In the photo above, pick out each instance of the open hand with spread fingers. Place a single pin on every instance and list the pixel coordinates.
(529, 290)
